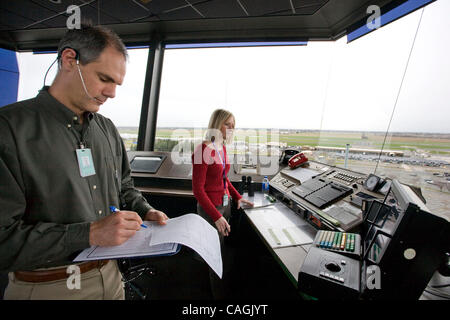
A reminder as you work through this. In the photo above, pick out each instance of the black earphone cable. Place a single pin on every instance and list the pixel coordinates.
(45, 77)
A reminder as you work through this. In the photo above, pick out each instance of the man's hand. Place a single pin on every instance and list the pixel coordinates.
(114, 229)
(156, 215)
(223, 226)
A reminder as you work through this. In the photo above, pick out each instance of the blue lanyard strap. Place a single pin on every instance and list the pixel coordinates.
(223, 166)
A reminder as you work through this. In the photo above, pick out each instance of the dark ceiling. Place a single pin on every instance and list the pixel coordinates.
(39, 24)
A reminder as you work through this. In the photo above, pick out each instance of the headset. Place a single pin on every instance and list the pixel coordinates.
(77, 58)
(77, 55)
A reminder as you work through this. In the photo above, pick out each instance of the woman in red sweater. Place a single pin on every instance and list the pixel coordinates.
(211, 187)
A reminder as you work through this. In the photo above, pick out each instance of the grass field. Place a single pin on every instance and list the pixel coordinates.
(436, 144)
(432, 143)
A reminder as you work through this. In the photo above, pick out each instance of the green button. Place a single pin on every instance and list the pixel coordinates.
(335, 240)
(339, 241)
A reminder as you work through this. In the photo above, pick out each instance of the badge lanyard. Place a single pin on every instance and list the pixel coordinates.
(225, 196)
(86, 163)
(84, 156)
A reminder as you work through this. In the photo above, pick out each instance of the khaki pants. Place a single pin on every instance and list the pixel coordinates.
(96, 284)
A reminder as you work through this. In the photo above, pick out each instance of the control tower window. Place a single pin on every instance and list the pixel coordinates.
(124, 110)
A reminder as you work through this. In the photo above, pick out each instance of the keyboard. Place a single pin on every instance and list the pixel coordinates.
(341, 242)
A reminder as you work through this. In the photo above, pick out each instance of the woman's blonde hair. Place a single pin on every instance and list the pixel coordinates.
(218, 118)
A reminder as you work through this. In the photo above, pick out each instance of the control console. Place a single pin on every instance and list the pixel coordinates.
(327, 197)
(399, 247)
(329, 275)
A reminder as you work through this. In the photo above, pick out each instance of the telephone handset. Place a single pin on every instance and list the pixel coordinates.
(297, 160)
(287, 154)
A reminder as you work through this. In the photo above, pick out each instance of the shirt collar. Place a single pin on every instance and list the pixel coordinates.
(59, 110)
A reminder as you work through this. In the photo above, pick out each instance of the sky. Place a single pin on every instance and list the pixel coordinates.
(324, 85)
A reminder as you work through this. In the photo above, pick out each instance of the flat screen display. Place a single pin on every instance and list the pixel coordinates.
(149, 164)
(382, 221)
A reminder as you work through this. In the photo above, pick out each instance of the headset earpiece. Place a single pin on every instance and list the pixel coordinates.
(77, 55)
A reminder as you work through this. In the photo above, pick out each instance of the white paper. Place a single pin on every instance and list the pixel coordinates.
(280, 229)
(190, 230)
(134, 247)
(195, 232)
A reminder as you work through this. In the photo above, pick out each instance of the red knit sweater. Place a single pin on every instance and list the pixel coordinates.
(207, 181)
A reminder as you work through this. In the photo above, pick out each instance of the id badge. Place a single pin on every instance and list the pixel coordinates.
(225, 200)
(85, 162)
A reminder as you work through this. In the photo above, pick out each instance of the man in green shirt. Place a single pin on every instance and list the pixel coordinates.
(61, 166)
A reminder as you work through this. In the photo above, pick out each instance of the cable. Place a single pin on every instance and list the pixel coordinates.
(441, 286)
(82, 81)
(437, 295)
(400, 89)
(45, 77)
(292, 7)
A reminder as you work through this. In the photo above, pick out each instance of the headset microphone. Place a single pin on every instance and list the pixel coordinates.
(82, 81)
(77, 57)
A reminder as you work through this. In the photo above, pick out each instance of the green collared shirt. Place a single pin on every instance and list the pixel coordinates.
(46, 207)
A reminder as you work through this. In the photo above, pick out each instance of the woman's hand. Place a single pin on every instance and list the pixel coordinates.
(223, 226)
(244, 201)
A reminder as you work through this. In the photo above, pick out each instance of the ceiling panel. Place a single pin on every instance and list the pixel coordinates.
(23, 13)
(256, 8)
(186, 13)
(97, 15)
(308, 6)
(38, 24)
(221, 9)
(57, 7)
(15, 21)
(126, 13)
(166, 6)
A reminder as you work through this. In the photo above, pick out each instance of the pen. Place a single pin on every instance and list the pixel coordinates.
(114, 209)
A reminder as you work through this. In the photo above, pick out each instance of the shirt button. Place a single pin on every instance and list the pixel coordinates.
(69, 126)
(99, 211)
(75, 118)
(94, 187)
